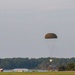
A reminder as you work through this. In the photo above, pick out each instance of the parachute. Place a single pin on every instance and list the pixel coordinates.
(50, 36)
(51, 40)
(51, 44)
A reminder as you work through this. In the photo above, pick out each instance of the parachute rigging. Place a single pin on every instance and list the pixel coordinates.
(50, 38)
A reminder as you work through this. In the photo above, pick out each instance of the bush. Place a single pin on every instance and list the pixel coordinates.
(61, 68)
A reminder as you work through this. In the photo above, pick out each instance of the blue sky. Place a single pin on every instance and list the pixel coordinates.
(23, 24)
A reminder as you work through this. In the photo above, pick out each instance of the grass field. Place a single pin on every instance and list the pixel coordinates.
(37, 73)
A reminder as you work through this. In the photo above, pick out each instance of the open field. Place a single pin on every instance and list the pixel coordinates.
(37, 73)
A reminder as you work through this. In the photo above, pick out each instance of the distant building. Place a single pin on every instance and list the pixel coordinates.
(52, 67)
(1, 69)
(20, 70)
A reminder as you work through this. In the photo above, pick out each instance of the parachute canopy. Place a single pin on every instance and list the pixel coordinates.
(50, 36)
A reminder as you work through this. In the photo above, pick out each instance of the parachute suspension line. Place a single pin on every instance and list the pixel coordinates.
(47, 43)
(51, 46)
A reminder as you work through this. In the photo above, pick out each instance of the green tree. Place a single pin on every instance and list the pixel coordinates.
(61, 68)
(71, 66)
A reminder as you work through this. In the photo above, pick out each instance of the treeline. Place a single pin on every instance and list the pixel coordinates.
(68, 67)
(33, 63)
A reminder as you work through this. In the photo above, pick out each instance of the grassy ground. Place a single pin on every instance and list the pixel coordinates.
(37, 73)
